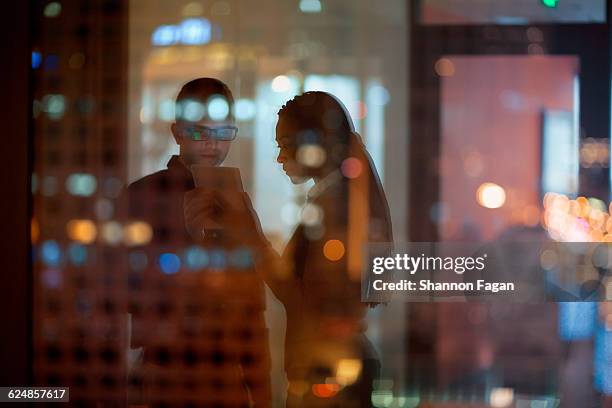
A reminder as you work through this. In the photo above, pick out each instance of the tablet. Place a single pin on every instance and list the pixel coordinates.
(217, 178)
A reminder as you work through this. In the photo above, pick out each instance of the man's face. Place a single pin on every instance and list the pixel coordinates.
(197, 143)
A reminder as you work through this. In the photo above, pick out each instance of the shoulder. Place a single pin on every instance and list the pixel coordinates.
(148, 182)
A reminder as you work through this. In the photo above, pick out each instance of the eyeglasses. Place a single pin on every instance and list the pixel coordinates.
(221, 133)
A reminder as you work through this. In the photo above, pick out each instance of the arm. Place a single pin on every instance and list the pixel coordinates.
(276, 271)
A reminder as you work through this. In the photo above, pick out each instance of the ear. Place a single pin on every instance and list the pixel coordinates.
(175, 133)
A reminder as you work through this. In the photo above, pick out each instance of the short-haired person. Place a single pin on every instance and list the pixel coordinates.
(197, 305)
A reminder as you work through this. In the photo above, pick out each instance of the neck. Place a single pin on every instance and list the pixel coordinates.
(323, 174)
(183, 161)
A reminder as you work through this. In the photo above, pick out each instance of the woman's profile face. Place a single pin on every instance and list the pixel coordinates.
(287, 142)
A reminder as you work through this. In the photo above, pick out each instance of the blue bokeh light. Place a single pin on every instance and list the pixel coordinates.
(245, 109)
(217, 259)
(195, 31)
(577, 320)
(36, 59)
(169, 263)
(602, 360)
(195, 258)
(191, 31)
(81, 184)
(241, 258)
(77, 254)
(50, 253)
(51, 62)
(165, 35)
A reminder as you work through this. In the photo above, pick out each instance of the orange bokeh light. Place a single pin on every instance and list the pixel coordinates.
(333, 250)
(325, 390)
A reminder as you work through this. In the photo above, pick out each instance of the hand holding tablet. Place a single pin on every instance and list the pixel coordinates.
(218, 190)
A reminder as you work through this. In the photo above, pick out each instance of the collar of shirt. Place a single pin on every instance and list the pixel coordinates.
(323, 184)
(177, 167)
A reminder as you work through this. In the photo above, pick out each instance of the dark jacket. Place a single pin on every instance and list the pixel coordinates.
(198, 314)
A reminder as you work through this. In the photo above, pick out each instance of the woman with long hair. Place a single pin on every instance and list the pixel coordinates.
(327, 353)
(328, 359)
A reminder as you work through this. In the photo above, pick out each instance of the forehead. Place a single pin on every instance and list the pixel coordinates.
(204, 109)
(286, 131)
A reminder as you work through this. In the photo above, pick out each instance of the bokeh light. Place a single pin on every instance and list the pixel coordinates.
(244, 109)
(36, 59)
(195, 258)
(112, 232)
(77, 254)
(501, 397)
(311, 155)
(137, 233)
(378, 95)
(81, 184)
(490, 195)
(52, 9)
(51, 278)
(382, 398)
(325, 390)
(34, 231)
(165, 35)
(166, 110)
(195, 31)
(311, 214)
(348, 371)
(310, 6)
(351, 167)
(218, 108)
(83, 231)
(281, 83)
(54, 105)
(241, 258)
(217, 259)
(445, 67)
(580, 220)
(169, 263)
(50, 253)
(104, 209)
(333, 249)
(192, 111)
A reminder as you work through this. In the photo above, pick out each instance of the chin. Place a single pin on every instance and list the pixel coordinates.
(298, 179)
(206, 161)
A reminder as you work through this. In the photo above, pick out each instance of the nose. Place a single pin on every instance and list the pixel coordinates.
(280, 158)
(209, 143)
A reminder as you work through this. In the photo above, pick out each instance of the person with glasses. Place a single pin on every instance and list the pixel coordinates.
(204, 141)
(196, 302)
